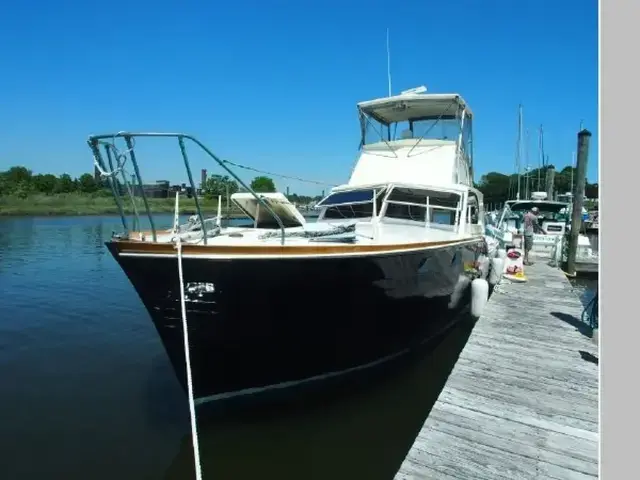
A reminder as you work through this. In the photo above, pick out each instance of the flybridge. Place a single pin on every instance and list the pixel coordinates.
(428, 134)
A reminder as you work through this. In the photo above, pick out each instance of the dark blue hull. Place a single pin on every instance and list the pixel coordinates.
(260, 324)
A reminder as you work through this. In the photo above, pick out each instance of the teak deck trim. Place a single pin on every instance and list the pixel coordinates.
(136, 247)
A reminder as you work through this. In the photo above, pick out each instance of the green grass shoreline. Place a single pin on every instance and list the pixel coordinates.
(73, 204)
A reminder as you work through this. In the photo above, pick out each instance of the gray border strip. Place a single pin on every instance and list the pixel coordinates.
(617, 131)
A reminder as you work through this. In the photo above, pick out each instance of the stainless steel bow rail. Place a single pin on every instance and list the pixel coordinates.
(115, 165)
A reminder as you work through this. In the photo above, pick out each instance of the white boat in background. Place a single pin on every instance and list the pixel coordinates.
(373, 278)
(554, 218)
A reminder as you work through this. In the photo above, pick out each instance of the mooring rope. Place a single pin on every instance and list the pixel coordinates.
(187, 359)
(289, 177)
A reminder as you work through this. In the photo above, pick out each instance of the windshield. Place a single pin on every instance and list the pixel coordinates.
(429, 129)
(352, 203)
(350, 196)
(446, 128)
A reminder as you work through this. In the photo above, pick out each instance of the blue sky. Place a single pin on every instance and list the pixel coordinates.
(274, 84)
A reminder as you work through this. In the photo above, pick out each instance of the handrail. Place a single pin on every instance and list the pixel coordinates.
(183, 151)
(94, 140)
(125, 181)
(132, 156)
(112, 183)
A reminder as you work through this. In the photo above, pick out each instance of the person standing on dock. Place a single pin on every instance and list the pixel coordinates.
(530, 227)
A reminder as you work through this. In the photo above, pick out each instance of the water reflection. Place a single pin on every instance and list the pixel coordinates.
(363, 431)
(16, 240)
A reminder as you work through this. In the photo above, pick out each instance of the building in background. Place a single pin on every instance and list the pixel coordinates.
(160, 189)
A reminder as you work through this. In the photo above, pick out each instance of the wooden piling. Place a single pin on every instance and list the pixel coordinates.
(584, 137)
(551, 175)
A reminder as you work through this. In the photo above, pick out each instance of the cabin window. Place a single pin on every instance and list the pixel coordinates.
(473, 209)
(474, 214)
(373, 131)
(467, 135)
(428, 129)
(407, 204)
(351, 196)
(411, 204)
(412, 122)
(351, 203)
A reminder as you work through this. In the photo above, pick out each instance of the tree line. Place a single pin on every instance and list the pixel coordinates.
(496, 187)
(21, 182)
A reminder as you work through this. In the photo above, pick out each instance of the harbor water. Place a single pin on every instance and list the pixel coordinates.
(87, 391)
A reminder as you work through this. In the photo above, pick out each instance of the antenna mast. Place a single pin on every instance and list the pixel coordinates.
(388, 63)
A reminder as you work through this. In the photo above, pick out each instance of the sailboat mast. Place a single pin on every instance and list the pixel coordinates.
(540, 157)
(519, 150)
(527, 166)
(573, 163)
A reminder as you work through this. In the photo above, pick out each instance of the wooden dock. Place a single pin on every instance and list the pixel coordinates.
(522, 399)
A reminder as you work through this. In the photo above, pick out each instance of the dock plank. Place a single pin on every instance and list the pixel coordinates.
(521, 401)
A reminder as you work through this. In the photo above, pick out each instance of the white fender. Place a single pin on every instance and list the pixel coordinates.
(484, 265)
(458, 291)
(479, 296)
(497, 267)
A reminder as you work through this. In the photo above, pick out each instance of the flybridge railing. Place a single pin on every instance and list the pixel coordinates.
(117, 159)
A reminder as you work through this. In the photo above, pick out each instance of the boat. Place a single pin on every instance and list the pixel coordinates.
(592, 225)
(553, 217)
(281, 302)
(567, 198)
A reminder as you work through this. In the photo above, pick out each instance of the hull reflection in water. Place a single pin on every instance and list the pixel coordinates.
(260, 324)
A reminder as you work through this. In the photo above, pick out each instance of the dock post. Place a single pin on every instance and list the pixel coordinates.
(578, 198)
(550, 177)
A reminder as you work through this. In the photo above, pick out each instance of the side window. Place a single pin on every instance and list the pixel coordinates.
(473, 209)
(411, 204)
(358, 210)
(442, 207)
(407, 204)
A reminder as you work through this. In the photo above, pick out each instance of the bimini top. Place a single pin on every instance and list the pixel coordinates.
(407, 106)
